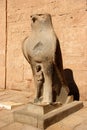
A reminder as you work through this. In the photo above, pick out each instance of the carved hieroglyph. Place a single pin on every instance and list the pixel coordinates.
(42, 51)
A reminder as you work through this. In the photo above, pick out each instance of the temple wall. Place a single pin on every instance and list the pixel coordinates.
(2, 42)
(70, 24)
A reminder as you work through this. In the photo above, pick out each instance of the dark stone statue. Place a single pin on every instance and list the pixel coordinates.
(43, 53)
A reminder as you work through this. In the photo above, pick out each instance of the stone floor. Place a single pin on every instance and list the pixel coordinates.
(76, 121)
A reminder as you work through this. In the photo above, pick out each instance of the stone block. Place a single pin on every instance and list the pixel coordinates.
(2, 43)
(75, 5)
(44, 116)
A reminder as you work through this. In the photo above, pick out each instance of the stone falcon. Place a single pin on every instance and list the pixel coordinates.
(43, 53)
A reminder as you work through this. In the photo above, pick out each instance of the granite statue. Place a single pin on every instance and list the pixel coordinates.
(43, 53)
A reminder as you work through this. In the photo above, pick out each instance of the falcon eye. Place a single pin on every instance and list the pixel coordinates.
(34, 19)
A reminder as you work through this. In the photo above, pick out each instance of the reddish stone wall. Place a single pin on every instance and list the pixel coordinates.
(70, 24)
(2, 42)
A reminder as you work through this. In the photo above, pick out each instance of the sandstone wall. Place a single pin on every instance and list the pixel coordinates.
(70, 24)
(2, 42)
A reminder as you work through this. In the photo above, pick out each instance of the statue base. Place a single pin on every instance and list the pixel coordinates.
(43, 116)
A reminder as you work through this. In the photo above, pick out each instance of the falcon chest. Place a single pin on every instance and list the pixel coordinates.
(42, 49)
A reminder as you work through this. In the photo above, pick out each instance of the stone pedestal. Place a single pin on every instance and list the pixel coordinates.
(44, 116)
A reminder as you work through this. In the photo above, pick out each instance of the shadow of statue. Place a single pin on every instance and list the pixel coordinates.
(71, 83)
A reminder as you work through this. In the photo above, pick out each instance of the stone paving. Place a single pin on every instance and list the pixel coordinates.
(76, 121)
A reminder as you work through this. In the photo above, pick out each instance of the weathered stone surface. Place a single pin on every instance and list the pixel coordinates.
(42, 51)
(40, 110)
(32, 117)
(18, 126)
(79, 117)
(2, 42)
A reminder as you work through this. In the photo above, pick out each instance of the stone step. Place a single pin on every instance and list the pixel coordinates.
(43, 120)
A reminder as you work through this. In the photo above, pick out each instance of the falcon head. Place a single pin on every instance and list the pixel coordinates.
(41, 20)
